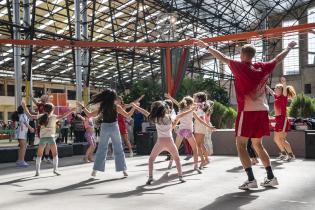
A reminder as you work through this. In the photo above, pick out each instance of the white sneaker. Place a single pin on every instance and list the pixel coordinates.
(248, 185)
(270, 182)
(131, 154)
(289, 158)
(56, 172)
(150, 180)
(281, 156)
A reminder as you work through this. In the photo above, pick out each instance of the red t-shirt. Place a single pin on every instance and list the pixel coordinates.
(250, 84)
(40, 108)
(281, 104)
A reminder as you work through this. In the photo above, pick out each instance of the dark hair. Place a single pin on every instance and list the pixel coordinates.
(202, 96)
(107, 102)
(169, 104)
(15, 115)
(43, 120)
(248, 50)
(158, 112)
(20, 110)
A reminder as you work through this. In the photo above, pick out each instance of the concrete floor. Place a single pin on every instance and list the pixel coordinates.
(216, 188)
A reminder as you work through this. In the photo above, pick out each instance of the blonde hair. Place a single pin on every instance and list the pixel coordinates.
(185, 102)
(249, 50)
(290, 90)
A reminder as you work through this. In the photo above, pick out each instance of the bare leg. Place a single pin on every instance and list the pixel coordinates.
(261, 152)
(22, 149)
(241, 145)
(199, 142)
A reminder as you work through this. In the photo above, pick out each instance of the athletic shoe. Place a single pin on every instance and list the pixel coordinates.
(150, 180)
(198, 170)
(131, 154)
(289, 158)
(270, 182)
(281, 156)
(181, 179)
(22, 164)
(37, 174)
(57, 172)
(248, 185)
(188, 157)
(49, 161)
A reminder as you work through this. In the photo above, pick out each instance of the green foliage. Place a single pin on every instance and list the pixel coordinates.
(222, 116)
(151, 89)
(302, 106)
(214, 91)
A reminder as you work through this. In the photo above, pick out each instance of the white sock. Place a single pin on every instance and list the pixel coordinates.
(55, 163)
(38, 162)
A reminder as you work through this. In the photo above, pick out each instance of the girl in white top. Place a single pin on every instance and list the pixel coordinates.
(203, 106)
(186, 128)
(47, 122)
(21, 134)
(160, 115)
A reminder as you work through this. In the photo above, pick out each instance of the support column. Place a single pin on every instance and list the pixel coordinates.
(17, 53)
(27, 52)
(78, 61)
(85, 55)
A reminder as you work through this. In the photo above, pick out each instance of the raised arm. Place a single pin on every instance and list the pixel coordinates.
(280, 57)
(270, 91)
(284, 86)
(168, 96)
(86, 111)
(27, 112)
(143, 111)
(184, 113)
(123, 112)
(215, 53)
(202, 122)
(66, 114)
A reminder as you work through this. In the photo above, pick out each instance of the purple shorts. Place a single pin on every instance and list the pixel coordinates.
(90, 138)
(185, 133)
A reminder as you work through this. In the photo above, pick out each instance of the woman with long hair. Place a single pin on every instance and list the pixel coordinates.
(282, 93)
(21, 133)
(108, 109)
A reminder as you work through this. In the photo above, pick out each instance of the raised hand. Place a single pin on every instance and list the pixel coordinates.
(200, 43)
(292, 44)
(167, 95)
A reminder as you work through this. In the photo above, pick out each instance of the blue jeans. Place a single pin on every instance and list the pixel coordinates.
(110, 130)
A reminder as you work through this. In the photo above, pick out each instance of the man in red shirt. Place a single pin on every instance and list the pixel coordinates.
(252, 119)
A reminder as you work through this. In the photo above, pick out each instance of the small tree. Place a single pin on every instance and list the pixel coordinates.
(302, 106)
(222, 116)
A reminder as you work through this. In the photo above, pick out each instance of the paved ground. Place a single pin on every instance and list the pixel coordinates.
(216, 188)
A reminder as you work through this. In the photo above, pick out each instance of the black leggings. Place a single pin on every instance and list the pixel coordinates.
(250, 149)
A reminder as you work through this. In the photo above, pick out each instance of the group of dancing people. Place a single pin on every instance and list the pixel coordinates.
(252, 121)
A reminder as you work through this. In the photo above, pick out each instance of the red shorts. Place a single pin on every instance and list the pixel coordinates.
(252, 124)
(122, 127)
(282, 124)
